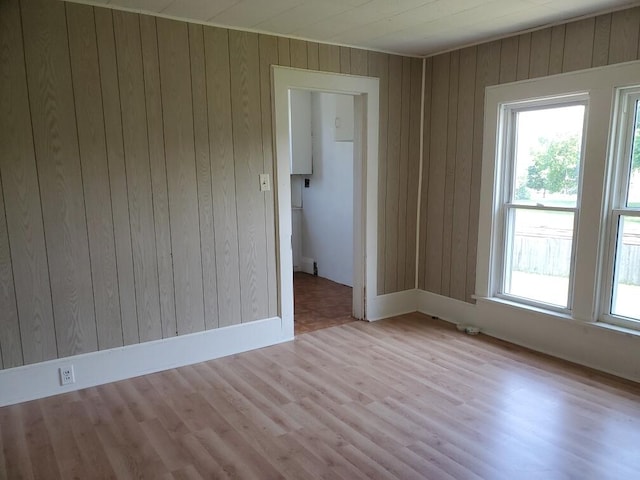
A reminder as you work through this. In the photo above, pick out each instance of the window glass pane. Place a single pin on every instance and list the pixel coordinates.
(538, 262)
(626, 282)
(633, 195)
(547, 156)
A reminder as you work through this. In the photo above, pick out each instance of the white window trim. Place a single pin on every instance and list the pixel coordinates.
(599, 85)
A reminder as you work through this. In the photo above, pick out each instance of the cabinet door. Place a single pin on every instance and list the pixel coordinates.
(300, 132)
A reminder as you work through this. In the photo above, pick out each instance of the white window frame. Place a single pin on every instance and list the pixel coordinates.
(620, 168)
(508, 158)
(599, 85)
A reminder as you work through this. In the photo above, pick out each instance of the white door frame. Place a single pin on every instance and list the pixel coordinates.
(365, 205)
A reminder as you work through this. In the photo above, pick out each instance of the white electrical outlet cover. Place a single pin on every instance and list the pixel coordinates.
(67, 375)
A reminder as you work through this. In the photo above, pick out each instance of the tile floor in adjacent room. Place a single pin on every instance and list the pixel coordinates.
(320, 303)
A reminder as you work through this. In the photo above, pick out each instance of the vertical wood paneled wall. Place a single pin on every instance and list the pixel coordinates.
(453, 129)
(130, 148)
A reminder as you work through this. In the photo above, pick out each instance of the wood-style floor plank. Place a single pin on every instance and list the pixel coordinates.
(405, 398)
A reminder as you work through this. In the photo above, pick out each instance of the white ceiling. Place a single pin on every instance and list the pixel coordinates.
(412, 27)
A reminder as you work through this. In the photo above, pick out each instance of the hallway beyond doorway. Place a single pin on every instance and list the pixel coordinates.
(319, 303)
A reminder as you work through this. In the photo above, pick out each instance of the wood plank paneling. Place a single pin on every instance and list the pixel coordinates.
(579, 42)
(21, 199)
(345, 60)
(173, 50)
(450, 173)
(601, 40)
(10, 342)
(95, 173)
(487, 73)
(329, 58)
(359, 62)
(60, 174)
(426, 135)
(223, 182)
(284, 54)
(436, 178)
(136, 152)
(298, 53)
(403, 167)
(313, 54)
(117, 173)
(540, 49)
(464, 161)
(524, 55)
(247, 143)
(379, 67)
(624, 35)
(203, 170)
(268, 57)
(556, 51)
(158, 166)
(392, 176)
(508, 59)
(413, 172)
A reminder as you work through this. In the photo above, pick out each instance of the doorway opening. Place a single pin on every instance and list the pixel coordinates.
(322, 197)
(364, 92)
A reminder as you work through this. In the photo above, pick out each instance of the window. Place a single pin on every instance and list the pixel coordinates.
(543, 152)
(559, 226)
(623, 286)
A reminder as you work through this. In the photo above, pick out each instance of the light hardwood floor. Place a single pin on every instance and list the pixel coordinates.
(404, 398)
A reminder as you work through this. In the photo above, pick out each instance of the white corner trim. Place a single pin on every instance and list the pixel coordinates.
(392, 304)
(40, 380)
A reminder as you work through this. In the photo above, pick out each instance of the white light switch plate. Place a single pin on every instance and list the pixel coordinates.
(265, 184)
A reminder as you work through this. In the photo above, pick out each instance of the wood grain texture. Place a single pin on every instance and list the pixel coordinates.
(403, 179)
(203, 171)
(359, 62)
(413, 172)
(313, 56)
(249, 163)
(95, 173)
(524, 55)
(379, 67)
(117, 173)
(10, 341)
(557, 50)
(450, 173)
(173, 50)
(298, 53)
(284, 55)
(540, 48)
(426, 160)
(508, 59)
(487, 73)
(26, 271)
(329, 58)
(601, 40)
(60, 174)
(624, 35)
(268, 57)
(345, 60)
(437, 169)
(136, 153)
(578, 45)
(407, 398)
(158, 167)
(216, 43)
(464, 162)
(392, 177)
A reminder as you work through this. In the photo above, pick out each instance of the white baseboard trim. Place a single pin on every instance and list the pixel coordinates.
(40, 380)
(391, 304)
(445, 308)
(306, 265)
(587, 344)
